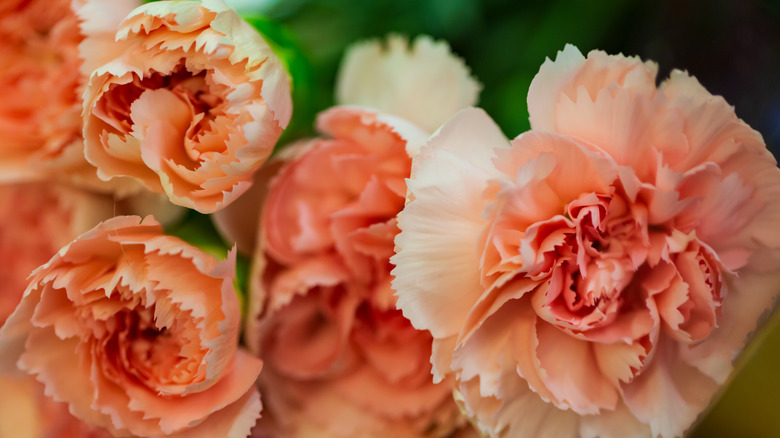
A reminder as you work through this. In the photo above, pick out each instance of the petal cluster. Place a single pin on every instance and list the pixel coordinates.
(137, 332)
(597, 275)
(190, 102)
(342, 361)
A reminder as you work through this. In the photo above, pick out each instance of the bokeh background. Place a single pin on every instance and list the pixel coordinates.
(731, 46)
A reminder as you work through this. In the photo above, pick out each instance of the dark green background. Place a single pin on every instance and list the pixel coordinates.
(731, 46)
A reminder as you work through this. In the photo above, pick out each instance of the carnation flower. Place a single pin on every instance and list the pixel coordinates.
(598, 275)
(190, 102)
(137, 332)
(341, 360)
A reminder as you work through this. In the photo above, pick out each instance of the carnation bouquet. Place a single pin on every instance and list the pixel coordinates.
(197, 243)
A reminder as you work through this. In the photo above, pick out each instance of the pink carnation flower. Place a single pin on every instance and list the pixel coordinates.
(341, 360)
(190, 101)
(137, 332)
(598, 275)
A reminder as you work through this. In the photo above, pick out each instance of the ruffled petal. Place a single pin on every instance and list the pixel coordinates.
(685, 392)
(443, 218)
(422, 82)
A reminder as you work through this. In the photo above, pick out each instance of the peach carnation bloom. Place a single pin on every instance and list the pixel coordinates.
(341, 360)
(191, 103)
(598, 275)
(38, 219)
(137, 332)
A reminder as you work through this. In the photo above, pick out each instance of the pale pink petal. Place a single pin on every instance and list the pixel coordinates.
(586, 170)
(626, 127)
(685, 392)
(546, 86)
(482, 357)
(98, 21)
(522, 414)
(745, 306)
(583, 388)
(67, 379)
(233, 421)
(758, 175)
(712, 130)
(422, 82)
(619, 423)
(441, 357)
(438, 221)
(178, 413)
(345, 122)
(525, 344)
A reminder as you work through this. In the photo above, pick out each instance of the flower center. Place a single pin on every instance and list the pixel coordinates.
(199, 114)
(593, 264)
(134, 345)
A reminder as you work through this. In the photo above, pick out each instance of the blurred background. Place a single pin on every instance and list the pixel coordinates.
(732, 47)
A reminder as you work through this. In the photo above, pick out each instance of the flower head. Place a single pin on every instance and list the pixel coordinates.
(601, 271)
(191, 103)
(137, 332)
(342, 361)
